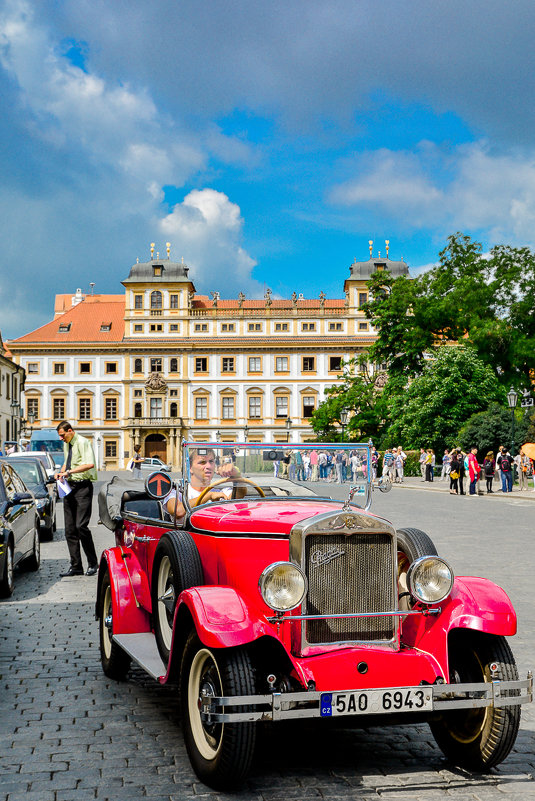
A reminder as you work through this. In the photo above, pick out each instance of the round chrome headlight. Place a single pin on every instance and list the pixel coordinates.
(282, 586)
(430, 579)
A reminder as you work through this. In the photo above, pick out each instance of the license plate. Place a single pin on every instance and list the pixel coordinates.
(376, 702)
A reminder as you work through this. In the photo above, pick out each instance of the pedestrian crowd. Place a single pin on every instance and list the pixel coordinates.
(458, 466)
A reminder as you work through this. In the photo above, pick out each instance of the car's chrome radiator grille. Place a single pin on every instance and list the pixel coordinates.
(349, 574)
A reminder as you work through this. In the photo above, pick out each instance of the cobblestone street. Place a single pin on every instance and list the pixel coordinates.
(69, 733)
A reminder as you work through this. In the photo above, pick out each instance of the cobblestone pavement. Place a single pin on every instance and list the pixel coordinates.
(69, 733)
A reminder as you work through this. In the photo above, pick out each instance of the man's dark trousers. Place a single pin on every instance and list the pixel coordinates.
(77, 514)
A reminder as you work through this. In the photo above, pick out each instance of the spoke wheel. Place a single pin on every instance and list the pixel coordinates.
(220, 753)
(7, 582)
(478, 739)
(177, 567)
(115, 662)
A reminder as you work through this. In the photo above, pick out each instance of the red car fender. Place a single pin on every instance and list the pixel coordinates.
(130, 594)
(474, 603)
(221, 616)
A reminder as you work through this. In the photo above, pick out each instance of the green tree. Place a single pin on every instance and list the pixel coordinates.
(485, 301)
(491, 428)
(357, 393)
(452, 386)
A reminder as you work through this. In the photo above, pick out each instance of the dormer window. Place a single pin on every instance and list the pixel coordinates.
(105, 326)
(64, 328)
(157, 269)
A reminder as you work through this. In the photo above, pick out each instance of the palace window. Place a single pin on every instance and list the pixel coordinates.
(59, 368)
(281, 364)
(111, 409)
(201, 364)
(309, 326)
(173, 409)
(254, 326)
(59, 408)
(228, 327)
(201, 327)
(32, 407)
(363, 326)
(138, 393)
(228, 407)
(335, 326)
(335, 364)
(138, 328)
(85, 367)
(309, 364)
(281, 406)
(173, 328)
(281, 326)
(308, 405)
(110, 449)
(201, 408)
(155, 407)
(363, 298)
(138, 365)
(255, 364)
(156, 299)
(255, 407)
(173, 301)
(84, 408)
(138, 301)
(227, 364)
(33, 367)
(138, 410)
(156, 328)
(111, 367)
(156, 364)
(173, 366)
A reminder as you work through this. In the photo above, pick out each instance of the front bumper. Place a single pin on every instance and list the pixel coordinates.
(283, 706)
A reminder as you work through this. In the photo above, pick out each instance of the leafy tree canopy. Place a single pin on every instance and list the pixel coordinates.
(487, 301)
(489, 429)
(452, 386)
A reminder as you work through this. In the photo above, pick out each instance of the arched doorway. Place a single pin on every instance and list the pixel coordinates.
(156, 445)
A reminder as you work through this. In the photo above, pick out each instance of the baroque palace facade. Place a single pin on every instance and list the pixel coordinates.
(160, 362)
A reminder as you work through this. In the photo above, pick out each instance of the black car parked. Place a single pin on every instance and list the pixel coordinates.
(19, 527)
(35, 476)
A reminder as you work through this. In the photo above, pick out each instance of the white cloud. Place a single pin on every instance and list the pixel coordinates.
(467, 188)
(209, 228)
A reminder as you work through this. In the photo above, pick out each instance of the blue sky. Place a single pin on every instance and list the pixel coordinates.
(267, 142)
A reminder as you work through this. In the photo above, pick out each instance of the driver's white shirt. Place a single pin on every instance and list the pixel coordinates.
(193, 494)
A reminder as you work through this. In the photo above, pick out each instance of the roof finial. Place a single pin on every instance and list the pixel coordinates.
(168, 246)
(387, 243)
(370, 243)
(92, 285)
(152, 251)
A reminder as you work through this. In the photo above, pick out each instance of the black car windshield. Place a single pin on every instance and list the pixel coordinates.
(27, 470)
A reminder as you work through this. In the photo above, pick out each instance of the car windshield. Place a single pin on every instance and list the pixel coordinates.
(237, 470)
(27, 470)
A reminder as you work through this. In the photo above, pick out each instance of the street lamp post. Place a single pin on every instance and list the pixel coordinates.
(288, 427)
(245, 432)
(15, 415)
(512, 399)
(344, 417)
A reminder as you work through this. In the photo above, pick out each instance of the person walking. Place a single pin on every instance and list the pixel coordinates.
(505, 463)
(446, 465)
(137, 460)
(454, 473)
(421, 462)
(388, 464)
(473, 470)
(314, 465)
(80, 472)
(399, 462)
(489, 466)
(462, 470)
(429, 464)
(524, 468)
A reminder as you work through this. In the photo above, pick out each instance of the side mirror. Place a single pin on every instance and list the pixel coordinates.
(22, 497)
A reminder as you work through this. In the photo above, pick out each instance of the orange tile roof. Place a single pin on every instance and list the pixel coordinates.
(84, 320)
(202, 302)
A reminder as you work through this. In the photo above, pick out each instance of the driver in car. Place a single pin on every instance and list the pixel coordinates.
(203, 473)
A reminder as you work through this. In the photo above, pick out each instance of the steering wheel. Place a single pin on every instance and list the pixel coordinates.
(210, 487)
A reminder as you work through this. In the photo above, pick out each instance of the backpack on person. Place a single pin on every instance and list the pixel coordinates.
(505, 463)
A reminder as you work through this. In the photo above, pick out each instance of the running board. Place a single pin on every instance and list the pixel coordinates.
(143, 650)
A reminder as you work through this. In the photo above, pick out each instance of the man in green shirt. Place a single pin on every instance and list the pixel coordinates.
(79, 470)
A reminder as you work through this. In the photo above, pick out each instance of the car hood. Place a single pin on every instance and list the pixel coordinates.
(257, 517)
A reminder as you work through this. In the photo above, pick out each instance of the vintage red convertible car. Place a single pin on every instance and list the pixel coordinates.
(265, 599)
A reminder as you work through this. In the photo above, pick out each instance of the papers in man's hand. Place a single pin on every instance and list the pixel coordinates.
(63, 487)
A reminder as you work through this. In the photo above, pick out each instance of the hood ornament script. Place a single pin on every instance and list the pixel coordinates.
(319, 557)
